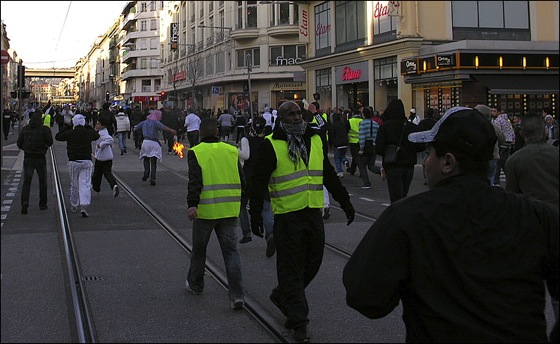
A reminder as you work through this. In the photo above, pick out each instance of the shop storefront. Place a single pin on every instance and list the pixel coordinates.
(283, 91)
(352, 85)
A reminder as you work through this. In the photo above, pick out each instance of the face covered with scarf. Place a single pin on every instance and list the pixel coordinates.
(292, 123)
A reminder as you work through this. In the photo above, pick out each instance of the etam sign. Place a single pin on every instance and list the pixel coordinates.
(356, 72)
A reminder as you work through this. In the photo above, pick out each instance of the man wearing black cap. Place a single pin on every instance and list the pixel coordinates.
(468, 260)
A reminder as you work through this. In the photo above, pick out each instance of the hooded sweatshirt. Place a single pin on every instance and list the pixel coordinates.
(34, 139)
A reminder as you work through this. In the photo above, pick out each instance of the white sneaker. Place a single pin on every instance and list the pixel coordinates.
(84, 212)
(340, 174)
(115, 190)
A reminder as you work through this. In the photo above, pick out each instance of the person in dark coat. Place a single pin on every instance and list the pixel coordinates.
(34, 139)
(394, 131)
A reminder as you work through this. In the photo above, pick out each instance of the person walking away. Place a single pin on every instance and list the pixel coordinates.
(533, 169)
(34, 139)
(519, 141)
(67, 115)
(248, 152)
(367, 132)
(502, 121)
(340, 144)
(6, 122)
(170, 119)
(123, 128)
(150, 152)
(226, 122)
(353, 124)
(295, 149)
(106, 113)
(103, 159)
(267, 115)
(214, 198)
(493, 164)
(394, 131)
(192, 126)
(468, 261)
(241, 123)
(78, 147)
(136, 118)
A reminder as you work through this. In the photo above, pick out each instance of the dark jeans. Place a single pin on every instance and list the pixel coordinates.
(367, 162)
(102, 169)
(150, 167)
(29, 166)
(193, 137)
(170, 141)
(504, 155)
(239, 134)
(398, 182)
(299, 238)
(354, 149)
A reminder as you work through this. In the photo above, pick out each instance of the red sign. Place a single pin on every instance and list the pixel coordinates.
(5, 57)
(349, 74)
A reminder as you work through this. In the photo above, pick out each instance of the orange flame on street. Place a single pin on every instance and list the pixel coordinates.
(178, 147)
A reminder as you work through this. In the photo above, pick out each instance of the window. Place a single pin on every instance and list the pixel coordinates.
(251, 19)
(211, 7)
(153, 24)
(154, 42)
(286, 55)
(153, 5)
(385, 69)
(384, 25)
(495, 20)
(142, 43)
(254, 57)
(147, 85)
(202, 9)
(220, 62)
(323, 77)
(157, 85)
(350, 21)
(209, 65)
(143, 7)
(143, 25)
(322, 26)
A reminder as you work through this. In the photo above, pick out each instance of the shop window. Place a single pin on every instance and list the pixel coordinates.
(350, 24)
(254, 58)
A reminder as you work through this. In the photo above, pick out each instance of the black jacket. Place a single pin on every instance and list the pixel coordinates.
(389, 133)
(266, 162)
(79, 141)
(35, 138)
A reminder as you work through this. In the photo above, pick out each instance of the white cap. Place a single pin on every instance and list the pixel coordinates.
(413, 110)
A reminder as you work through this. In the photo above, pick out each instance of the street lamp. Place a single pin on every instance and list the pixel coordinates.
(248, 60)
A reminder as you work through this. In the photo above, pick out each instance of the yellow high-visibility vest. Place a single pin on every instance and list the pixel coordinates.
(354, 132)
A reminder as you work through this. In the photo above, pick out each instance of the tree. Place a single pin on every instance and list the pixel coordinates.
(195, 70)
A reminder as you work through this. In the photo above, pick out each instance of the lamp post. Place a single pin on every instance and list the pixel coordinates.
(248, 60)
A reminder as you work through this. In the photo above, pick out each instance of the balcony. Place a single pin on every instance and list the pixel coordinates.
(140, 73)
(137, 53)
(283, 30)
(240, 34)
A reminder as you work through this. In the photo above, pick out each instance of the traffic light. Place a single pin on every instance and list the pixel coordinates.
(20, 76)
(163, 95)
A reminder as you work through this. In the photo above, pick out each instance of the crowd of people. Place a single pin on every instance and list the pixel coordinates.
(468, 261)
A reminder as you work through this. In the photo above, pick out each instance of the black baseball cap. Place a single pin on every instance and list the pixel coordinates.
(465, 131)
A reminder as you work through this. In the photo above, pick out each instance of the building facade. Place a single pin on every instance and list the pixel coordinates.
(434, 54)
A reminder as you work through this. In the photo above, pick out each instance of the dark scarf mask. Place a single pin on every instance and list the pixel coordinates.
(296, 143)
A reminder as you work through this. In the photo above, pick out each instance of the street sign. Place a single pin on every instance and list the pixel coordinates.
(5, 57)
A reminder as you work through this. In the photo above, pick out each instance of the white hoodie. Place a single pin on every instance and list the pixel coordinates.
(104, 146)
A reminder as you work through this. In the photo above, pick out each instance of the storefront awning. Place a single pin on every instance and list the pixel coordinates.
(520, 84)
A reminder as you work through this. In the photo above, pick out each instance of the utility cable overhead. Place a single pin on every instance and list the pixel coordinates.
(62, 29)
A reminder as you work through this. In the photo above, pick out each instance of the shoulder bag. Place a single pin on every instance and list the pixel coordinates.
(392, 151)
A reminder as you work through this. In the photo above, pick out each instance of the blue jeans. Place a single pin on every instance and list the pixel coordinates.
(121, 135)
(492, 164)
(268, 218)
(340, 158)
(227, 236)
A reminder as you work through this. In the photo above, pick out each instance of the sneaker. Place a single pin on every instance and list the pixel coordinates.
(366, 186)
(326, 213)
(84, 212)
(340, 174)
(145, 176)
(115, 190)
(347, 164)
(125, 150)
(74, 209)
(270, 247)
(301, 335)
(43, 207)
(152, 182)
(383, 175)
(245, 240)
(237, 304)
(189, 289)
(24, 207)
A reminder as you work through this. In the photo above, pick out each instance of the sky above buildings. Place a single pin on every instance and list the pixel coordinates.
(55, 34)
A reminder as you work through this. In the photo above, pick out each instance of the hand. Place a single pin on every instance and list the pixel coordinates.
(257, 226)
(192, 213)
(350, 212)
